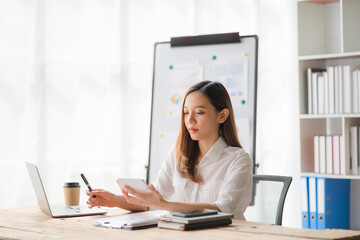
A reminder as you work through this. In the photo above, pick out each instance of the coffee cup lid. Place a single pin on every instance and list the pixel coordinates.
(71, 184)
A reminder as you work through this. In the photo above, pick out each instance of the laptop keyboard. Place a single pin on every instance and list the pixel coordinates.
(65, 210)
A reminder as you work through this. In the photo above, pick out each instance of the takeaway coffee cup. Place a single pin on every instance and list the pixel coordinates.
(72, 193)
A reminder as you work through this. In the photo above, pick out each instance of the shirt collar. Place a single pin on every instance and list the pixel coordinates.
(216, 150)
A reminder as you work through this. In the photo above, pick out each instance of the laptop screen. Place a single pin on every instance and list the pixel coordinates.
(39, 188)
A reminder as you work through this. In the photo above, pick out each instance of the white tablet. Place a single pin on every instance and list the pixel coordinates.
(135, 183)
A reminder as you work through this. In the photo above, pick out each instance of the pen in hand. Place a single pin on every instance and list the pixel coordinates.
(87, 183)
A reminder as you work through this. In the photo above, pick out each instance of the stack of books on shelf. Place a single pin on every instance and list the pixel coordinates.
(329, 155)
(334, 90)
(325, 202)
(198, 222)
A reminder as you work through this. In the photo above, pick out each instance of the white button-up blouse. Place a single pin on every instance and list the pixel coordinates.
(227, 175)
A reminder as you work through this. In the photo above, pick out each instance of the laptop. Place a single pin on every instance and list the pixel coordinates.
(56, 212)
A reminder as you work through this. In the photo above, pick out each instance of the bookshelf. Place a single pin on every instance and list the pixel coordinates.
(328, 35)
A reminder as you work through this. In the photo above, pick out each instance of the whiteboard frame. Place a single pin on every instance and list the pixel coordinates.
(253, 155)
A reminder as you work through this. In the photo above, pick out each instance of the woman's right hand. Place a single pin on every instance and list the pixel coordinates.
(103, 198)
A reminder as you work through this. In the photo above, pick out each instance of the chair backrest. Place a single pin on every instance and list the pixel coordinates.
(258, 180)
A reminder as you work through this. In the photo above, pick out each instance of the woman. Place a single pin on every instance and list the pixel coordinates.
(207, 168)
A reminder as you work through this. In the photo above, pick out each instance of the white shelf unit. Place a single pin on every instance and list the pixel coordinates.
(328, 35)
(311, 174)
(335, 125)
(328, 27)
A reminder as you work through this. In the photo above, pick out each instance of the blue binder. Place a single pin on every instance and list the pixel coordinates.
(313, 202)
(333, 203)
(305, 202)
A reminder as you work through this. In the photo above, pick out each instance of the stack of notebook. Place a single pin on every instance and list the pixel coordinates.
(219, 219)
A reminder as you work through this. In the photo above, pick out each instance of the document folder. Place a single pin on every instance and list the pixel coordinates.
(333, 203)
(132, 221)
(305, 202)
(312, 202)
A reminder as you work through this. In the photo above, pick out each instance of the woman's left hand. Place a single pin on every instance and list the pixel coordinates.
(148, 199)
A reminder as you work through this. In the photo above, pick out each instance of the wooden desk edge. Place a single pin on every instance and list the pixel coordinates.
(25, 218)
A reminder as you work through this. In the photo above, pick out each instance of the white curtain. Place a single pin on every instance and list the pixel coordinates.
(75, 86)
(277, 120)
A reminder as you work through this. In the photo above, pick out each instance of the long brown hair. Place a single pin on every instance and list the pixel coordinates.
(187, 150)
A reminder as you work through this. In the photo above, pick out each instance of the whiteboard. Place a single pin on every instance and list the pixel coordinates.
(178, 68)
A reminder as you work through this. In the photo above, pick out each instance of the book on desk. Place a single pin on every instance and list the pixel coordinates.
(181, 223)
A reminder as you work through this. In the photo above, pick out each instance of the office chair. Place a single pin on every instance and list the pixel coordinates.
(269, 193)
